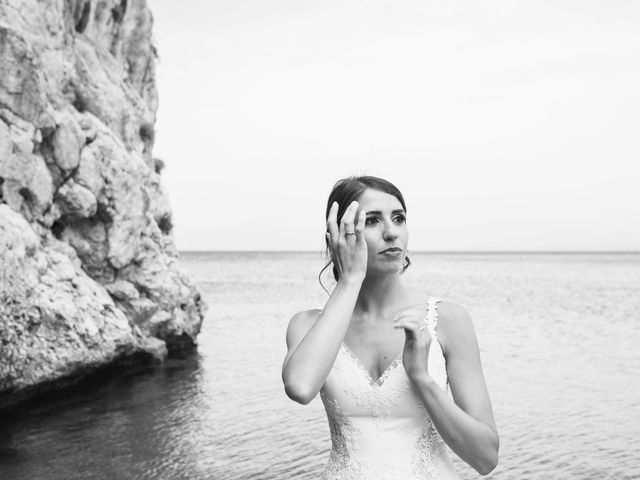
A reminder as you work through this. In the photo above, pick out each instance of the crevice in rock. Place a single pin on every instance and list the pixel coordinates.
(58, 227)
(46, 151)
(79, 102)
(142, 289)
(165, 224)
(71, 174)
(158, 165)
(29, 202)
(147, 134)
(117, 19)
(63, 180)
(117, 12)
(179, 345)
(81, 16)
(1, 191)
(26, 194)
(102, 215)
(45, 147)
(65, 177)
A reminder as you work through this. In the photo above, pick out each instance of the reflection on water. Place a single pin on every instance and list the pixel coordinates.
(558, 336)
(132, 426)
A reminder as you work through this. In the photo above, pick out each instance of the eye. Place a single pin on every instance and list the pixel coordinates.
(371, 221)
(399, 219)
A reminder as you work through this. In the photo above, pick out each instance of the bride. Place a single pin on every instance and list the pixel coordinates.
(383, 354)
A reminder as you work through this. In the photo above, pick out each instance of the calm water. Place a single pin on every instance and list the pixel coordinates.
(559, 340)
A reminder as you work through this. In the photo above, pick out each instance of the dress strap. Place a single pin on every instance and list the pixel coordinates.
(431, 319)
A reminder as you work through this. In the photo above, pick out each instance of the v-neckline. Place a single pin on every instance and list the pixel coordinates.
(379, 382)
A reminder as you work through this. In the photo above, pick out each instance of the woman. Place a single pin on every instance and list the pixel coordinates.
(388, 422)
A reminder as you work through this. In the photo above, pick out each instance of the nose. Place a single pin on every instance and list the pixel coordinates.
(390, 232)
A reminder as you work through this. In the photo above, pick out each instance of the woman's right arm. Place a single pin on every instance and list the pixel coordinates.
(314, 338)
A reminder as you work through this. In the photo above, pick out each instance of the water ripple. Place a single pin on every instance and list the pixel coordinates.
(558, 336)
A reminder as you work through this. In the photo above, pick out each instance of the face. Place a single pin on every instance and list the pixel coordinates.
(385, 232)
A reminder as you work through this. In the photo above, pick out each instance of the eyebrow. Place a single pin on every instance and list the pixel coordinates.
(378, 212)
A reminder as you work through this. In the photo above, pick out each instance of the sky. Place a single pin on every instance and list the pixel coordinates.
(508, 125)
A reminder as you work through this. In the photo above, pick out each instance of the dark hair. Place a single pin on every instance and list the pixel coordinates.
(346, 191)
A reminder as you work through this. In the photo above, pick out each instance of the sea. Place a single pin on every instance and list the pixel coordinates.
(559, 337)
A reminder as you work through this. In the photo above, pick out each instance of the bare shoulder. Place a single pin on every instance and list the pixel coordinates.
(300, 324)
(455, 328)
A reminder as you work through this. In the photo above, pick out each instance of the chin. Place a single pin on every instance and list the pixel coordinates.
(387, 268)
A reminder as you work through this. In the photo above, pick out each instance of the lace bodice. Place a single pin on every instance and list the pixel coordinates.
(380, 429)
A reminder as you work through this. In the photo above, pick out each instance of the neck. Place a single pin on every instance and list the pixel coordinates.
(379, 295)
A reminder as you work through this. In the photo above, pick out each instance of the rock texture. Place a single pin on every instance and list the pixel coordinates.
(88, 266)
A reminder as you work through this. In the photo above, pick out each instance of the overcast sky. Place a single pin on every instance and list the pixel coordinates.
(508, 125)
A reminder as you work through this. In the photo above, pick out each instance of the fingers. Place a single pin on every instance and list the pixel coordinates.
(332, 224)
(362, 218)
(343, 235)
(347, 227)
(413, 328)
(346, 224)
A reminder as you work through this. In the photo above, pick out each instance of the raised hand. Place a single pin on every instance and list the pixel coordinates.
(347, 244)
(417, 342)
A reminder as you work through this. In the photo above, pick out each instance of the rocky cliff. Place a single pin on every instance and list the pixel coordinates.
(88, 266)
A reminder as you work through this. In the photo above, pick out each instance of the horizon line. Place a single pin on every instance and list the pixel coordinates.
(632, 252)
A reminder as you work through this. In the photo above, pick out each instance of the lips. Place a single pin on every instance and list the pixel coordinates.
(390, 250)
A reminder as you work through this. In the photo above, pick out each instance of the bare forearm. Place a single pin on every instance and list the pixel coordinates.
(308, 367)
(472, 440)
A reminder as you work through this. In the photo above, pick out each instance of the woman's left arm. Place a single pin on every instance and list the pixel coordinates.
(467, 426)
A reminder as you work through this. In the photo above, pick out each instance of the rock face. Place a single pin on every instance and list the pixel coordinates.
(88, 266)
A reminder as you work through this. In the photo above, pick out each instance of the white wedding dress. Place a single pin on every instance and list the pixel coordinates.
(380, 429)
